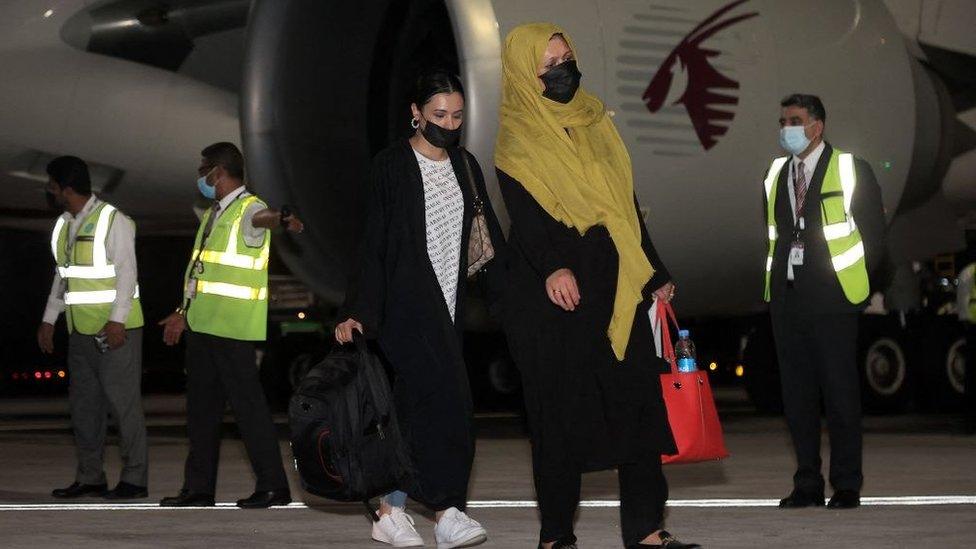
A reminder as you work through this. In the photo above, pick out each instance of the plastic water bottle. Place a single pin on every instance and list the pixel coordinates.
(684, 351)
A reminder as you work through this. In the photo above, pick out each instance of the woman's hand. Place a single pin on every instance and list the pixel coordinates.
(562, 289)
(343, 332)
(665, 293)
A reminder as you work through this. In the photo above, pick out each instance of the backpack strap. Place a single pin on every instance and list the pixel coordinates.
(382, 406)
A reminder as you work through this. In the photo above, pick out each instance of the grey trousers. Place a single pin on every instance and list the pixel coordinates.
(101, 384)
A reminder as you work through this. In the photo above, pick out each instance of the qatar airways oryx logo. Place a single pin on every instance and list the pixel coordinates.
(695, 83)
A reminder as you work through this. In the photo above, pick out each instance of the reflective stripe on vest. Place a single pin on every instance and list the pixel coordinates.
(848, 182)
(235, 291)
(769, 185)
(843, 238)
(93, 298)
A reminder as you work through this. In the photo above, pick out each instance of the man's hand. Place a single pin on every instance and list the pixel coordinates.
(114, 334)
(45, 337)
(292, 224)
(173, 327)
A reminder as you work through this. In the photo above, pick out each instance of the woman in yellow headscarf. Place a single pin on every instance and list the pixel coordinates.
(583, 273)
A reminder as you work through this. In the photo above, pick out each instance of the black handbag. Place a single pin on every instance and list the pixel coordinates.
(480, 248)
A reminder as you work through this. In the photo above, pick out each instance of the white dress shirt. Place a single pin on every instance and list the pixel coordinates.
(809, 164)
(120, 248)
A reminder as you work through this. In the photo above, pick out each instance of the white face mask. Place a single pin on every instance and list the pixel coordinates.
(794, 139)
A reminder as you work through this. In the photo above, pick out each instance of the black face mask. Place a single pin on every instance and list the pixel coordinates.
(562, 81)
(441, 137)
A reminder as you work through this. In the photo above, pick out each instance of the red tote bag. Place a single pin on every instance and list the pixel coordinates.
(691, 407)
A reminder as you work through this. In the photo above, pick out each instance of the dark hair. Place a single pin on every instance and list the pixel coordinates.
(227, 156)
(432, 82)
(811, 103)
(70, 171)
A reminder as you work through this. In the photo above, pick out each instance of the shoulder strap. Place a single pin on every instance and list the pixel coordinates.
(470, 174)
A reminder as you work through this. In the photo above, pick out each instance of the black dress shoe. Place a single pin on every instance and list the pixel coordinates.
(667, 542)
(845, 499)
(263, 500)
(78, 490)
(186, 499)
(124, 490)
(798, 499)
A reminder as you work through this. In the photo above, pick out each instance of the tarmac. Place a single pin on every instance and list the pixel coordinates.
(920, 490)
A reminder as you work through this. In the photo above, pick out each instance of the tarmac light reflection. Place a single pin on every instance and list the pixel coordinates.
(496, 504)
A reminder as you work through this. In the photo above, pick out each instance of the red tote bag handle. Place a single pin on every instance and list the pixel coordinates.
(665, 316)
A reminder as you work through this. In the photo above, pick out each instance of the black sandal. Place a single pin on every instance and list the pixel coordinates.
(568, 542)
(667, 542)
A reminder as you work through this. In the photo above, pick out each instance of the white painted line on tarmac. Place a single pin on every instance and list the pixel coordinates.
(496, 504)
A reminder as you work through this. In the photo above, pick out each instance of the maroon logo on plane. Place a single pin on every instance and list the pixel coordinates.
(704, 82)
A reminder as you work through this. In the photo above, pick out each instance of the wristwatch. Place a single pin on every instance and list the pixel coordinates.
(284, 213)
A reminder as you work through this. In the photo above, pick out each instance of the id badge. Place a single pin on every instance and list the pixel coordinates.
(796, 254)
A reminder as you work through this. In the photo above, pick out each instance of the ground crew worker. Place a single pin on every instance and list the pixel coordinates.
(96, 285)
(826, 233)
(224, 312)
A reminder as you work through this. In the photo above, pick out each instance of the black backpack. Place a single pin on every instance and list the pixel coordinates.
(344, 433)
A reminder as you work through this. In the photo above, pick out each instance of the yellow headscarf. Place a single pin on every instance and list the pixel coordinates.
(571, 159)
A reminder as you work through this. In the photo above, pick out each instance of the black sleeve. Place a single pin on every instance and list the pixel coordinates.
(545, 249)
(661, 274)
(366, 291)
(492, 275)
(868, 211)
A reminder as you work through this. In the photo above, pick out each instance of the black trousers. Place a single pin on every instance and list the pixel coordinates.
(818, 360)
(221, 370)
(643, 493)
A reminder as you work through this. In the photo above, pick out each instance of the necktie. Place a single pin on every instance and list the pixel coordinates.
(800, 187)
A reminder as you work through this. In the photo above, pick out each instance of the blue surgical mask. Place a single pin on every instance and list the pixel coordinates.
(206, 189)
(794, 139)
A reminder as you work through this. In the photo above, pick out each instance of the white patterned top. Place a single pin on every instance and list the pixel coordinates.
(444, 206)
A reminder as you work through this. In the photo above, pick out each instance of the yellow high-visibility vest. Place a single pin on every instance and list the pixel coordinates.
(839, 229)
(229, 293)
(89, 276)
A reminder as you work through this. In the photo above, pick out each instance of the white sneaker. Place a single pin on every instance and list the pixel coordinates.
(456, 529)
(397, 530)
